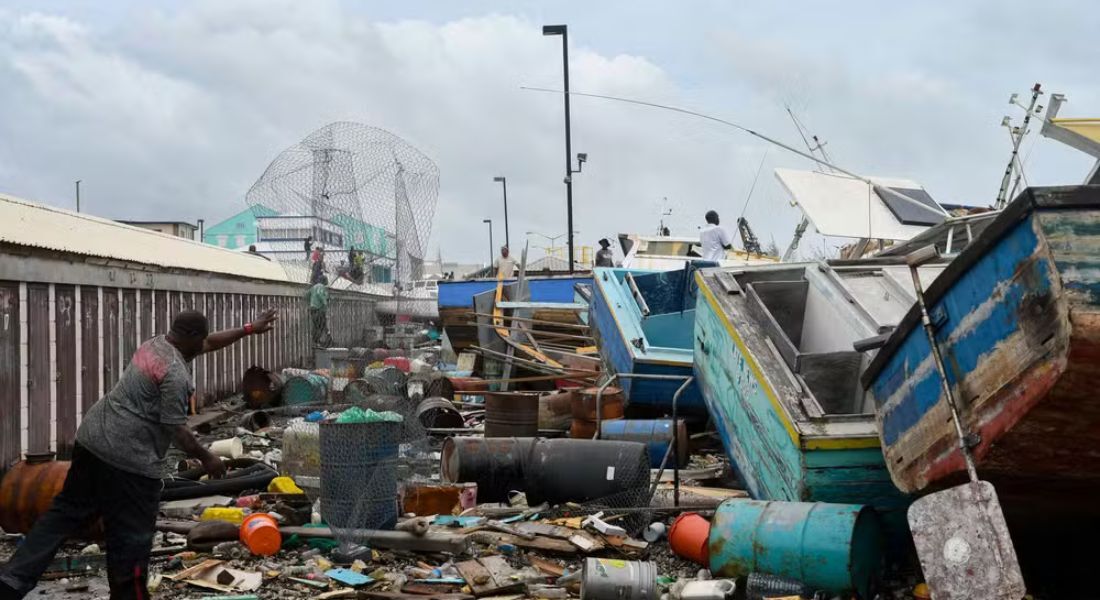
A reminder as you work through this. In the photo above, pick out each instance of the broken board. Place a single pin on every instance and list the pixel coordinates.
(489, 576)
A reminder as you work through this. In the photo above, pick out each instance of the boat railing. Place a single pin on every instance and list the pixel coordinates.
(674, 447)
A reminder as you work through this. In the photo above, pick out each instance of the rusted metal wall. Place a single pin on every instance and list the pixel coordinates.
(67, 333)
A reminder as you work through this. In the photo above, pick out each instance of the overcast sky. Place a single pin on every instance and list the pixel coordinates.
(172, 110)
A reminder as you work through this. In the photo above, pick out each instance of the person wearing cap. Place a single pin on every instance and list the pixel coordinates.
(118, 459)
(604, 257)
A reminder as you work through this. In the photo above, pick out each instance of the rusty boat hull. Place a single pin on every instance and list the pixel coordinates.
(1017, 317)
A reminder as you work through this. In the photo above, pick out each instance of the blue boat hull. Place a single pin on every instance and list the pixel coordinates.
(1018, 322)
(611, 316)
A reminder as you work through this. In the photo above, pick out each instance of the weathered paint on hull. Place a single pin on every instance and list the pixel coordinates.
(618, 352)
(1021, 341)
(774, 456)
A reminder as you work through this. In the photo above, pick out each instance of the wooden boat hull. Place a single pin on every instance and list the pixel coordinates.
(616, 321)
(1018, 322)
(456, 302)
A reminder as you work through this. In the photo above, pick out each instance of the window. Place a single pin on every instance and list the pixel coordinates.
(223, 240)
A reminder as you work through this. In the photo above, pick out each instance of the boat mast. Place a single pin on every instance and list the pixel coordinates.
(1017, 134)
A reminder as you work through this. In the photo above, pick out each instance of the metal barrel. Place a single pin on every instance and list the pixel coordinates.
(359, 474)
(28, 489)
(438, 413)
(358, 390)
(583, 407)
(614, 579)
(831, 547)
(555, 410)
(311, 388)
(511, 414)
(496, 465)
(567, 470)
(656, 434)
(261, 387)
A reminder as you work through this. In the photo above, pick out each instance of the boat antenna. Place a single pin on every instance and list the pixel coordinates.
(817, 146)
(879, 189)
(1017, 134)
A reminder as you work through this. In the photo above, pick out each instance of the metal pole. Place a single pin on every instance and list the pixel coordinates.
(568, 143)
(77, 195)
(489, 222)
(507, 238)
(915, 260)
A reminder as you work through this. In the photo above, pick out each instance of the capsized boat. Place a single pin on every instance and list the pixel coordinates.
(774, 359)
(1017, 315)
(643, 322)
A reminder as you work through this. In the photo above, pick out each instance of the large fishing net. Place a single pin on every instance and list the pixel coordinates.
(363, 195)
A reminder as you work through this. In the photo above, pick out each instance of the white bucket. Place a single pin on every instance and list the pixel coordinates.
(228, 448)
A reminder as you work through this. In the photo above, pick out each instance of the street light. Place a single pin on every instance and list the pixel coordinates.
(490, 222)
(504, 183)
(563, 31)
(551, 239)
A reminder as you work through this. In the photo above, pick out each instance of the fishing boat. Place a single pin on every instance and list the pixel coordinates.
(775, 364)
(667, 253)
(455, 301)
(643, 324)
(1017, 318)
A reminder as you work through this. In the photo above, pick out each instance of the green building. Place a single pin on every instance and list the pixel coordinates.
(238, 231)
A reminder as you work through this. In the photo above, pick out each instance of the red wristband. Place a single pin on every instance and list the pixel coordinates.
(248, 328)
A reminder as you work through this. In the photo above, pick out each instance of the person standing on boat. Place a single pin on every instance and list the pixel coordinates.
(506, 266)
(604, 257)
(714, 239)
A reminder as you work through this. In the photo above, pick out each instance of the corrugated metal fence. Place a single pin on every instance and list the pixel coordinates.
(68, 329)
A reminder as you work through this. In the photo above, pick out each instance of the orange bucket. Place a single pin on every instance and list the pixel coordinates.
(261, 534)
(688, 538)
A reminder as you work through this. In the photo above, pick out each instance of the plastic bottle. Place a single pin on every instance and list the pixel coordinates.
(761, 585)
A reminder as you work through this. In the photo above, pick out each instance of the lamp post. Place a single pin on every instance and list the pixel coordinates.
(504, 183)
(77, 195)
(563, 31)
(490, 222)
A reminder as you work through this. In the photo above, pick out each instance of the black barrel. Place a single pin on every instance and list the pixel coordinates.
(358, 390)
(511, 414)
(573, 470)
(438, 412)
(359, 474)
(496, 465)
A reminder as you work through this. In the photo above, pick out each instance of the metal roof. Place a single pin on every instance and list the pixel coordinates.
(25, 223)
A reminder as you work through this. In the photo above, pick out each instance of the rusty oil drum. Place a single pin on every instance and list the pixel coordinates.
(27, 490)
(556, 410)
(511, 414)
(584, 410)
(496, 465)
(261, 388)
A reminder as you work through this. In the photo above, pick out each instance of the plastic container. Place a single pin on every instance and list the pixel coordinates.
(284, 485)
(761, 586)
(228, 448)
(221, 513)
(711, 589)
(688, 538)
(261, 534)
(613, 579)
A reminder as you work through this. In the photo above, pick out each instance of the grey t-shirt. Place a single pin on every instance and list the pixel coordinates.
(131, 427)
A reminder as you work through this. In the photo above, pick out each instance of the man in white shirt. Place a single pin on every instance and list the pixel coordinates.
(506, 266)
(714, 239)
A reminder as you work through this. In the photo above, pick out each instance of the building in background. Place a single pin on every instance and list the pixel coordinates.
(238, 231)
(180, 229)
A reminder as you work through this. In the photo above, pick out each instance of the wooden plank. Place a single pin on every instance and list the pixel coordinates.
(38, 367)
(9, 374)
(66, 379)
(89, 347)
(542, 305)
(489, 576)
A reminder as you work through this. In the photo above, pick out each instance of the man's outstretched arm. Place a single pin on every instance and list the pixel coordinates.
(220, 339)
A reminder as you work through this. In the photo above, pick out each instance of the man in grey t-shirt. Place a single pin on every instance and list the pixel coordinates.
(118, 459)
